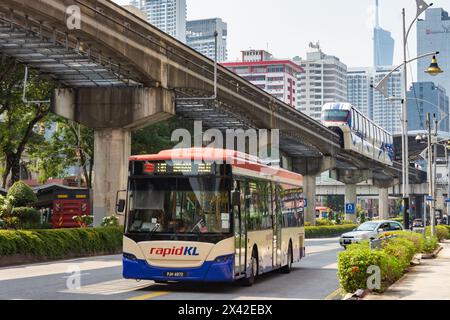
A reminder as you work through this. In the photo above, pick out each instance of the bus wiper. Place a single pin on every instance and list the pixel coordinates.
(198, 226)
(155, 228)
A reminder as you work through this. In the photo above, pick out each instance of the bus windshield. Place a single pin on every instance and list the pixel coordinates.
(335, 115)
(179, 205)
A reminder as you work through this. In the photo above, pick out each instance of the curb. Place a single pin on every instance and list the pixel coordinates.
(432, 255)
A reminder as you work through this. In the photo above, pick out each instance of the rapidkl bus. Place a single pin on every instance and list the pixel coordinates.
(226, 218)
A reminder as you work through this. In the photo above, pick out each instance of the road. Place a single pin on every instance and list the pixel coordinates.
(313, 278)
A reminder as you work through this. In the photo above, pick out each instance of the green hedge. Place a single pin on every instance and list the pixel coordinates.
(328, 231)
(60, 243)
(393, 259)
(355, 261)
(442, 232)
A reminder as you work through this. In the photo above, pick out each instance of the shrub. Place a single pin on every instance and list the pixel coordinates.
(11, 222)
(416, 238)
(448, 229)
(22, 195)
(402, 249)
(5, 205)
(442, 232)
(354, 263)
(324, 222)
(328, 231)
(60, 243)
(83, 221)
(111, 221)
(28, 217)
(393, 258)
(430, 244)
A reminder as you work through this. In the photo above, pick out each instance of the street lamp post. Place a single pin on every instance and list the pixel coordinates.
(382, 87)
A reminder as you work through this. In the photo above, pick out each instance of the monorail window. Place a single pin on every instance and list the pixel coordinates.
(335, 115)
(361, 124)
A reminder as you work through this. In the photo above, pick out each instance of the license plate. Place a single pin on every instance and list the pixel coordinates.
(175, 274)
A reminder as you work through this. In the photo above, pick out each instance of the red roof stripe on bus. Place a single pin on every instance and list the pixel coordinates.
(232, 157)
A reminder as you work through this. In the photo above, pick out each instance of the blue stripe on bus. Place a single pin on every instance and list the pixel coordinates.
(210, 271)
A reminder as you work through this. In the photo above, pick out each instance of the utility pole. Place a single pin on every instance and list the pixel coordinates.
(405, 139)
(433, 227)
(430, 175)
(448, 181)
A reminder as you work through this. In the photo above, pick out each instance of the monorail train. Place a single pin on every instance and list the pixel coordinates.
(358, 133)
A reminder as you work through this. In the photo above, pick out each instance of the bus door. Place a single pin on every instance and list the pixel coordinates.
(277, 226)
(240, 234)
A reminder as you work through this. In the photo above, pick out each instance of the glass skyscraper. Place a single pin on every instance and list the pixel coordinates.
(433, 34)
(426, 97)
(383, 44)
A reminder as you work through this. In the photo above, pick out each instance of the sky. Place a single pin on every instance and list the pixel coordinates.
(286, 27)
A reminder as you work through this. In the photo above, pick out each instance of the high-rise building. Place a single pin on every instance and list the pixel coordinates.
(277, 77)
(136, 11)
(433, 34)
(200, 36)
(167, 15)
(359, 92)
(324, 80)
(383, 44)
(386, 113)
(371, 102)
(426, 97)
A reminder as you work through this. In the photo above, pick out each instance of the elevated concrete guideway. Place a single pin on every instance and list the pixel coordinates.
(117, 73)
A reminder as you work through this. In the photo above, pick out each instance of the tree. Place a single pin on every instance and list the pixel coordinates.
(19, 119)
(70, 144)
(157, 137)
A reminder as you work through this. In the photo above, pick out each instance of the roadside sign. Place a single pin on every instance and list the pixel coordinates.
(429, 198)
(447, 200)
(350, 208)
(305, 203)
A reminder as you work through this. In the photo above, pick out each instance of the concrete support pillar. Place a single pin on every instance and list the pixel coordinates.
(383, 204)
(350, 197)
(112, 152)
(309, 183)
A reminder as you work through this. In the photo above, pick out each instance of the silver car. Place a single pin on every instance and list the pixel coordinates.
(369, 231)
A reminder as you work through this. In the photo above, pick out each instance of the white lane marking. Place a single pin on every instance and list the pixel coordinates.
(330, 266)
(29, 271)
(262, 298)
(110, 287)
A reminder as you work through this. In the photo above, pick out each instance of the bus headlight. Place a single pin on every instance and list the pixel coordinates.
(223, 259)
(129, 256)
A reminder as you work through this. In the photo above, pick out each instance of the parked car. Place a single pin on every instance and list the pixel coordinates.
(369, 231)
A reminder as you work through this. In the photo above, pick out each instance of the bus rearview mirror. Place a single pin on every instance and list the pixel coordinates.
(120, 206)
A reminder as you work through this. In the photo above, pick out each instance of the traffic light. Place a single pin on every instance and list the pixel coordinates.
(448, 144)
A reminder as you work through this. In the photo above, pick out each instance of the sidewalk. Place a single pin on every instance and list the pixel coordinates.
(428, 281)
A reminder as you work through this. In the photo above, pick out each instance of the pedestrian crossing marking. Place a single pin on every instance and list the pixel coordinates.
(111, 287)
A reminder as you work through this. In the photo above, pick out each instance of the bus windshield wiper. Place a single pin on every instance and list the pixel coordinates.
(155, 228)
